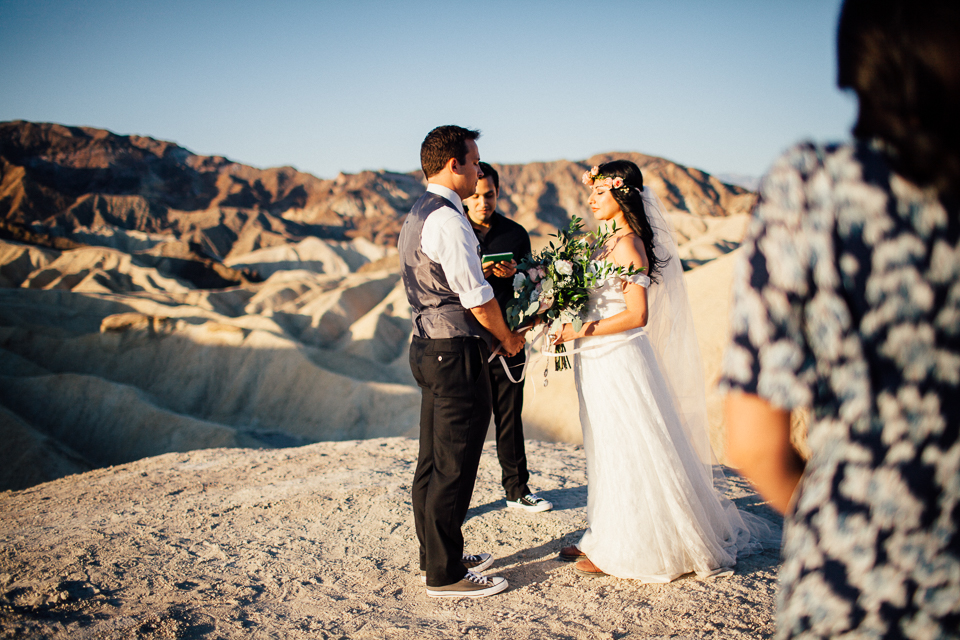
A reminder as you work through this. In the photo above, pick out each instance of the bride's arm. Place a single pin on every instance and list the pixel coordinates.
(628, 252)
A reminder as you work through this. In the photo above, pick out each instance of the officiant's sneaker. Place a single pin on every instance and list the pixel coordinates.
(531, 502)
(471, 586)
(473, 562)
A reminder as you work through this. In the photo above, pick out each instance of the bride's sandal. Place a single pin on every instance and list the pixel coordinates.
(588, 569)
(571, 554)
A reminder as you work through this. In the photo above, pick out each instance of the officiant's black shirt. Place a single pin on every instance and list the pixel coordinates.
(503, 235)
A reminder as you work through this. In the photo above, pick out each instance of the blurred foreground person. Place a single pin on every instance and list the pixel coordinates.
(847, 301)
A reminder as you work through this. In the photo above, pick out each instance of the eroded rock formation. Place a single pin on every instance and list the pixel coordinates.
(153, 300)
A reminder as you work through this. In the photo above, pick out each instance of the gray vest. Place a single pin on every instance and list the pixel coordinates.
(437, 312)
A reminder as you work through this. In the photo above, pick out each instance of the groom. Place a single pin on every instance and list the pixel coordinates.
(456, 319)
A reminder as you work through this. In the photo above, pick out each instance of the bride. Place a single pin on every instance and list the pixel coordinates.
(654, 506)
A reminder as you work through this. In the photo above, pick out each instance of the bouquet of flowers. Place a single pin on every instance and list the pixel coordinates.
(553, 285)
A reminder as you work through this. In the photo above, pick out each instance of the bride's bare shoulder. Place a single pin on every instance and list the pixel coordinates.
(629, 252)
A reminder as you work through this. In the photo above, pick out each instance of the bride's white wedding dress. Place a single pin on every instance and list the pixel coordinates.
(652, 508)
(655, 503)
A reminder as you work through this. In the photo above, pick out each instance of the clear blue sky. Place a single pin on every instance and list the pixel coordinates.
(722, 85)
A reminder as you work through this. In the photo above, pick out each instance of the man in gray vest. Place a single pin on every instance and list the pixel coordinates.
(456, 320)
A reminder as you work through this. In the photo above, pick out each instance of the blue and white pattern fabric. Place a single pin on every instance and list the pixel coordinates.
(847, 300)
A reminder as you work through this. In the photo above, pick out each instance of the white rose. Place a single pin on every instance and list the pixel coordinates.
(518, 280)
(564, 267)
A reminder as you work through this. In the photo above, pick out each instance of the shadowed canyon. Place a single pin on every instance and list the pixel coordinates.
(154, 301)
(209, 418)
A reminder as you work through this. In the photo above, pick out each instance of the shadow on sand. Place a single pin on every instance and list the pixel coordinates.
(533, 565)
(562, 499)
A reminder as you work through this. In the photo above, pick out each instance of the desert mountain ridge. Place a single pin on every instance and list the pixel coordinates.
(209, 420)
(64, 180)
(154, 301)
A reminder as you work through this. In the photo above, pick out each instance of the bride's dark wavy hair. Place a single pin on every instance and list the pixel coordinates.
(631, 203)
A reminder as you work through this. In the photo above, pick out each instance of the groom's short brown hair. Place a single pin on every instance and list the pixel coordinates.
(443, 143)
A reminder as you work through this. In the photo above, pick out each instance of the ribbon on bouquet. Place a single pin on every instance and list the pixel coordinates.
(528, 346)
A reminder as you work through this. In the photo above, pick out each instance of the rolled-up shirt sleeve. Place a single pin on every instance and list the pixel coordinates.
(449, 240)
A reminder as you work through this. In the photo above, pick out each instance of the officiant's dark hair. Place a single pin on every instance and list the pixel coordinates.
(631, 203)
(443, 143)
(490, 172)
(902, 58)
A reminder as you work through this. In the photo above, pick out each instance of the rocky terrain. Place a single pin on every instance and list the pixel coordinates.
(82, 183)
(153, 300)
(210, 421)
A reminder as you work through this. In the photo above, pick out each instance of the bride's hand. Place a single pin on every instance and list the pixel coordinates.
(565, 334)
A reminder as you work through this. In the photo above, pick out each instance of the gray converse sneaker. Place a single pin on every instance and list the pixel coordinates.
(477, 563)
(530, 502)
(471, 586)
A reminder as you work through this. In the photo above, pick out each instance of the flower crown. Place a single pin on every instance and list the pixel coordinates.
(594, 178)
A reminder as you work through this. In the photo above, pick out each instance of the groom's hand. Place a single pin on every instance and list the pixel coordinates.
(514, 343)
(489, 316)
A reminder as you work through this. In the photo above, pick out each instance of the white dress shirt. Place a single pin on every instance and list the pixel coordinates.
(448, 239)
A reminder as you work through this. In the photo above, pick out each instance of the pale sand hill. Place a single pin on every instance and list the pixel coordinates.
(18, 261)
(115, 362)
(709, 288)
(311, 254)
(100, 270)
(318, 542)
(109, 362)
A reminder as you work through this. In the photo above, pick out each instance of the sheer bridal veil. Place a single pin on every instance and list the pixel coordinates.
(674, 339)
(672, 334)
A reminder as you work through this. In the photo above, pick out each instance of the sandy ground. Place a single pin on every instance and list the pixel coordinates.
(318, 542)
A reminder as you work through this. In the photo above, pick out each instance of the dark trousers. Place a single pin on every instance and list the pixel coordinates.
(454, 415)
(507, 407)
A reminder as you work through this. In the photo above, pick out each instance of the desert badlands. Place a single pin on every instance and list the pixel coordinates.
(210, 422)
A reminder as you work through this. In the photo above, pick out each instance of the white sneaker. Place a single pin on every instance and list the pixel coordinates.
(530, 502)
(471, 586)
(477, 563)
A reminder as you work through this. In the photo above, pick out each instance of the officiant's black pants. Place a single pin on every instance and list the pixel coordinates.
(454, 415)
(507, 407)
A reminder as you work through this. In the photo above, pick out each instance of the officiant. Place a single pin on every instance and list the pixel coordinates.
(503, 242)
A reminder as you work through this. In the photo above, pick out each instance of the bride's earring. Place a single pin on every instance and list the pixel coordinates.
(545, 371)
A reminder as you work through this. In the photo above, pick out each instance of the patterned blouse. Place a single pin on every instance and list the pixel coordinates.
(847, 300)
